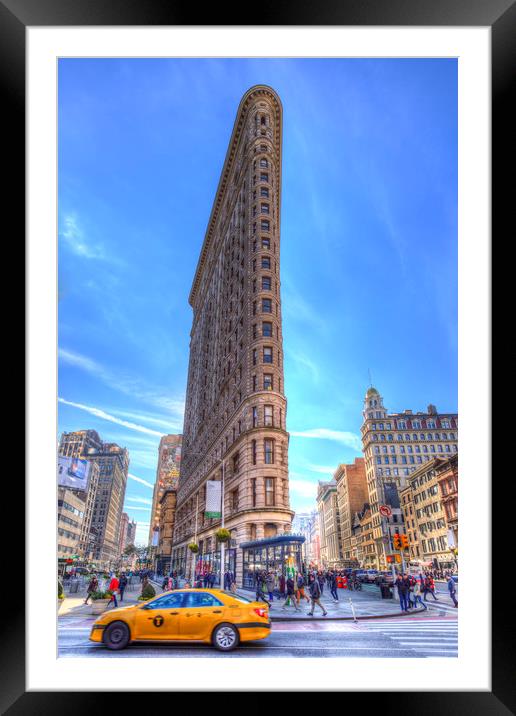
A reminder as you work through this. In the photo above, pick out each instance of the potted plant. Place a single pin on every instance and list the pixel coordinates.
(223, 535)
(193, 547)
(60, 594)
(148, 592)
(100, 601)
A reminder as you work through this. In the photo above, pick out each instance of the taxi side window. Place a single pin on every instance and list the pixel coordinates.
(170, 601)
(194, 599)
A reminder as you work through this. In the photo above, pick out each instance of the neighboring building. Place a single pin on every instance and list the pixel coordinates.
(235, 402)
(167, 475)
(122, 538)
(394, 446)
(166, 529)
(425, 518)
(70, 515)
(131, 533)
(329, 524)
(447, 474)
(351, 496)
(314, 555)
(113, 462)
(302, 524)
(366, 547)
(83, 444)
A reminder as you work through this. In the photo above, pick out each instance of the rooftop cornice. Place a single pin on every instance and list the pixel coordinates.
(257, 90)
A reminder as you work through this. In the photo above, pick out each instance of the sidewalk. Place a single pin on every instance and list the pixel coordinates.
(364, 604)
(73, 605)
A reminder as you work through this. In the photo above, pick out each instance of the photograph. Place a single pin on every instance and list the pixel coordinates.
(257, 448)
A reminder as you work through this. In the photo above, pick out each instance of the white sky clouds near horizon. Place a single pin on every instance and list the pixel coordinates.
(379, 230)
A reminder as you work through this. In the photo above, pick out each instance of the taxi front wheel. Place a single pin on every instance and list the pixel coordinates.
(225, 637)
(116, 635)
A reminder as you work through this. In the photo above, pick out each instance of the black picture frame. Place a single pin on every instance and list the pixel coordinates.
(500, 16)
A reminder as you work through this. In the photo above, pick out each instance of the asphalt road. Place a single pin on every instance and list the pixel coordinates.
(433, 634)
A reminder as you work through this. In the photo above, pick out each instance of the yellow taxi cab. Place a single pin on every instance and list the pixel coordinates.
(213, 616)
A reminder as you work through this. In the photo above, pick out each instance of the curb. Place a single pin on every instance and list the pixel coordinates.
(352, 619)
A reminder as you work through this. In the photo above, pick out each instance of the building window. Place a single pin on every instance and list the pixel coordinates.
(267, 354)
(264, 176)
(268, 416)
(268, 446)
(268, 383)
(255, 383)
(254, 330)
(264, 191)
(253, 452)
(266, 283)
(236, 461)
(255, 354)
(266, 329)
(255, 417)
(264, 163)
(234, 500)
(253, 499)
(266, 305)
(265, 225)
(269, 492)
(266, 243)
(264, 209)
(266, 262)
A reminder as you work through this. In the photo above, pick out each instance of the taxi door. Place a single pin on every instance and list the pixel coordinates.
(159, 619)
(200, 614)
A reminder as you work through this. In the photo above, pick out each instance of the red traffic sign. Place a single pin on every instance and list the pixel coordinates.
(385, 510)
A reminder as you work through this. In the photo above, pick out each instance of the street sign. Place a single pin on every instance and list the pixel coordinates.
(385, 510)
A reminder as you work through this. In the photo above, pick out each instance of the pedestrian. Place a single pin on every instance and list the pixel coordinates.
(260, 587)
(452, 590)
(113, 588)
(416, 591)
(291, 597)
(320, 579)
(315, 594)
(429, 588)
(165, 583)
(403, 587)
(333, 587)
(92, 587)
(122, 585)
(282, 584)
(269, 581)
(301, 589)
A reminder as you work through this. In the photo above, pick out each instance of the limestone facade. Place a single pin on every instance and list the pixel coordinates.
(235, 414)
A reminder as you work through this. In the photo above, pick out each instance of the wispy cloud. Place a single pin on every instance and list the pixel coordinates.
(141, 500)
(348, 439)
(132, 386)
(140, 480)
(129, 508)
(111, 418)
(321, 469)
(303, 488)
(73, 236)
(305, 362)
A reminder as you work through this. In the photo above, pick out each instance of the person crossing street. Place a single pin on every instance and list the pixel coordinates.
(315, 594)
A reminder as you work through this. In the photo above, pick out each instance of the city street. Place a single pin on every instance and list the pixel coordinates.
(431, 633)
(409, 637)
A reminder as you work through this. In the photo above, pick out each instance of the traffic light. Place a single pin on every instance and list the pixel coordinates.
(396, 542)
(404, 542)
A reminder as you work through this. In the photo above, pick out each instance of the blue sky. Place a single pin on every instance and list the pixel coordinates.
(368, 244)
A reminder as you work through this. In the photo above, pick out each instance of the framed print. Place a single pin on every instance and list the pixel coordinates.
(224, 447)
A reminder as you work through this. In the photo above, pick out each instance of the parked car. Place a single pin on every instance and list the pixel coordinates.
(370, 576)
